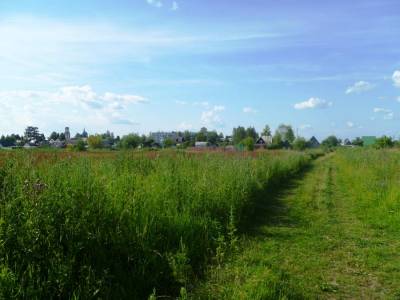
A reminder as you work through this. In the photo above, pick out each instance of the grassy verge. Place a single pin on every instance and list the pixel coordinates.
(117, 226)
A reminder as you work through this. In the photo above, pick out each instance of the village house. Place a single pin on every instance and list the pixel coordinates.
(313, 142)
(263, 141)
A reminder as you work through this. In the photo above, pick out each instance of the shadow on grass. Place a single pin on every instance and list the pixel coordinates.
(268, 208)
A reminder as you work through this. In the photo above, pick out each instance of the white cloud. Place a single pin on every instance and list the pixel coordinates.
(381, 110)
(68, 106)
(203, 104)
(398, 99)
(185, 126)
(175, 6)
(396, 78)
(359, 87)
(212, 117)
(388, 116)
(305, 126)
(179, 102)
(387, 113)
(249, 110)
(155, 3)
(313, 103)
(350, 124)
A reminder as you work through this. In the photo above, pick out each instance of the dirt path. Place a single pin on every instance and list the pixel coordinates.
(307, 244)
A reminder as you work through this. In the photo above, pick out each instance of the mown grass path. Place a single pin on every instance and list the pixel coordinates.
(307, 243)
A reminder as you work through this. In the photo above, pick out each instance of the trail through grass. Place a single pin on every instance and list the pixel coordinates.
(317, 240)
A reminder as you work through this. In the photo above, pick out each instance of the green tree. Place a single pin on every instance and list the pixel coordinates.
(238, 135)
(357, 142)
(300, 144)
(80, 146)
(277, 141)
(130, 141)
(212, 137)
(286, 132)
(95, 142)
(248, 143)
(54, 136)
(252, 133)
(266, 131)
(168, 143)
(384, 142)
(331, 142)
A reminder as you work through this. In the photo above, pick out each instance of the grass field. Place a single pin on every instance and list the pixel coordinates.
(333, 233)
(263, 225)
(118, 225)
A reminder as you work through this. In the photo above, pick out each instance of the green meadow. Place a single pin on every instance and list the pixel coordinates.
(175, 224)
(125, 225)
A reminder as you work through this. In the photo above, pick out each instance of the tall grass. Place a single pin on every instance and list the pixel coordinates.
(371, 178)
(118, 226)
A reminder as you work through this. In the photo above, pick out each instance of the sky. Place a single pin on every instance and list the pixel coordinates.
(325, 67)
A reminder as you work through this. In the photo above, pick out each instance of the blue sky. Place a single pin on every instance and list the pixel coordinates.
(325, 67)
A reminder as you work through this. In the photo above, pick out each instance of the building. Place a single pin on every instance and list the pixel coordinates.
(201, 145)
(347, 143)
(160, 137)
(313, 142)
(264, 141)
(67, 134)
(368, 140)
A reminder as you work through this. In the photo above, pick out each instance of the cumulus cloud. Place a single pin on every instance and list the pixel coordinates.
(71, 104)
(359, 87)
(212, 116)
(396, 78)
(249, 110)
(313, 103)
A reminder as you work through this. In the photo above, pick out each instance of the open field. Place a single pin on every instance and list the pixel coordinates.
(266, 225)
(117, 225)
(333, 233)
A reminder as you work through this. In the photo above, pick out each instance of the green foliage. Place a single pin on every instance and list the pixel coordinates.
(300, 144)
(248, 143)
(95, 142)
(331, 142)
(130, 141)
(357, 142)
(168, 143)
(285, 132)
(119, 226)
(80, 146)
(384, 142)
(266, 131)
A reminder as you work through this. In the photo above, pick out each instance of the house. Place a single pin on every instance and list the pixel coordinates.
(368, 140)
(57, 143)
(347, 143)
(160, 137)
(263, 141)
(201, 145)
(313, 142)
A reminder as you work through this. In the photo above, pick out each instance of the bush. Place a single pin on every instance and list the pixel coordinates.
(300, 144)
(80, 146)
(248, 143)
